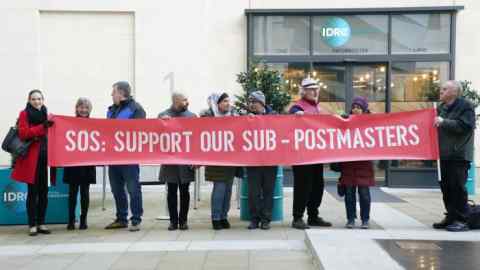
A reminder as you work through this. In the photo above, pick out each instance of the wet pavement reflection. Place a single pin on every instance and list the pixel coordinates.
(434, 255)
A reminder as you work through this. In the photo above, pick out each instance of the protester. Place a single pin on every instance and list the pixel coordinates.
(32, 168)
(456, 124)
(357, 175)
(221, 176)
(308, 182)
(261, 179)
(177, 177)
(79, 178)
(125, 176)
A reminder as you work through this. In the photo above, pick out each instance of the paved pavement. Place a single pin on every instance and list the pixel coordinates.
(154, 247)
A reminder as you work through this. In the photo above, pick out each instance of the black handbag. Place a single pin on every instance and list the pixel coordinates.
(14, 145)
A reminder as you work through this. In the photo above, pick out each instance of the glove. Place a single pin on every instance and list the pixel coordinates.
(438, 121)
(48, 123)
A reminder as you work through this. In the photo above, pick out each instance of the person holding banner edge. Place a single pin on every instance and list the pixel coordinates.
(308, 182)
(125, 176)
(261, 179)
(32, 168)
(177, 177)
(456, 125)
(79, 178)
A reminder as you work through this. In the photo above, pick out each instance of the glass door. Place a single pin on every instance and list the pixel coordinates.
(415, 86)
(370, 81)
(341, 83)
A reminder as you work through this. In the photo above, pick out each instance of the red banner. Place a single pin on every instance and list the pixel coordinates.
(243, 141)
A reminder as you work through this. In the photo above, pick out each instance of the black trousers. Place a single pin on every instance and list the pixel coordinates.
(261, 183)
(72, 200)
(308, 186)
(175, 217)
(37, 196)
(455, 196)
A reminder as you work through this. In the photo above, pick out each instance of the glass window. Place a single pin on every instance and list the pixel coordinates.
(370, 81)
(416, 82)
(332, 81)
(292, 75)
(415, 86)
(281, 35)
(420, 33)
(362, 34)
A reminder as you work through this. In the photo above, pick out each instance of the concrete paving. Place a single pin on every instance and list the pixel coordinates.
(154, 247)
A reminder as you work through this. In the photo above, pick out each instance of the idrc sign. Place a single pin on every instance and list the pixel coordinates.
(336, 32)
(13, 197)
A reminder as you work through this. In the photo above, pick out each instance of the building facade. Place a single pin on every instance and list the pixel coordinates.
(393, 52)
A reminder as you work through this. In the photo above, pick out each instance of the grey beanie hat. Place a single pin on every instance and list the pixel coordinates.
(258, 96)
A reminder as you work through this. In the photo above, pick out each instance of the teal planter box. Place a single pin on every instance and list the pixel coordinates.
(471, 179)
(277, 211)
(13, 194)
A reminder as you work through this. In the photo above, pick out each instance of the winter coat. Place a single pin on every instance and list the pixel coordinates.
(176, 174)
(80, 175)
(456, 132)
(25, 168)
(218, 173)
(357, 173)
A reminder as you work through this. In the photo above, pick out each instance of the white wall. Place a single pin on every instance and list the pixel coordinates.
(202, 42)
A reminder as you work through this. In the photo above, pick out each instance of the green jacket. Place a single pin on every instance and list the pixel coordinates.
(456, 132)
(218, 173)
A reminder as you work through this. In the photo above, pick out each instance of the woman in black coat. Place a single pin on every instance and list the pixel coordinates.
(79, 178)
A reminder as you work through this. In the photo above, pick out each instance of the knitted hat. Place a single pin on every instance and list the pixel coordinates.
(362, 102)
(257, 96)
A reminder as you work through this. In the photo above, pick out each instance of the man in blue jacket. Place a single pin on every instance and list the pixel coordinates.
(121, 176)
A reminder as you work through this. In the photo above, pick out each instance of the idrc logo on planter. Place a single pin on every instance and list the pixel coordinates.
(14, 197)
(336, 32)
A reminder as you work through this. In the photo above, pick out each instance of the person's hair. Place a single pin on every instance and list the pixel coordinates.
(123, 87)
(33, 92)
(457, 85)
(84, 101)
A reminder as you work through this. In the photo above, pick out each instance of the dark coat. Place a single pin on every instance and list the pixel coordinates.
(80, 175)
(357, 173)
(218, 173)
(456, 133)
(25, 168)
(176, 174)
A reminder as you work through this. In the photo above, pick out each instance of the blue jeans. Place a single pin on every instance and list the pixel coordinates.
(351, 203)
(221, 195)
(122, 176)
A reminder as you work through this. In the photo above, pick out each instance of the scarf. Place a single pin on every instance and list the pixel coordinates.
(35, 116)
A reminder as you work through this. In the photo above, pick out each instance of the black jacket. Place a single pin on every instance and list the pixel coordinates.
(456, 132)
(176, 174)
(80, 175)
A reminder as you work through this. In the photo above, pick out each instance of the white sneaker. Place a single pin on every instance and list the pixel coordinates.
(134, 228)
(33, 231)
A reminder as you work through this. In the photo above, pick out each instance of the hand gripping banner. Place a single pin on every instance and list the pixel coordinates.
(244, 140)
